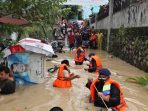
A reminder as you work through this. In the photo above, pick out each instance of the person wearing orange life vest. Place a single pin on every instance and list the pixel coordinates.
(64, 76)
(109, 90)
(80, 55)
(95, 63)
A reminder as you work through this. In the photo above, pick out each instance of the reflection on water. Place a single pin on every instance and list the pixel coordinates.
(1, 98)
(42, 97)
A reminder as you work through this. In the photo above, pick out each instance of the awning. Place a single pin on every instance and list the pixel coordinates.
(13, 21)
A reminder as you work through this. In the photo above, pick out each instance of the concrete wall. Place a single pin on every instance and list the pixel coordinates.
(134, 16)
(129, 34)
(129, 44)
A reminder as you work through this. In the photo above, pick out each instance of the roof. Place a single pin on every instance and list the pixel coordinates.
(13, 21)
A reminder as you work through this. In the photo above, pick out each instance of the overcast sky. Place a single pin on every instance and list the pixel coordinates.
(87, 5)
(85, 2)
(87, 9)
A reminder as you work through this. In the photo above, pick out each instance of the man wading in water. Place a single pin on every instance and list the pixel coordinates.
(105, 92)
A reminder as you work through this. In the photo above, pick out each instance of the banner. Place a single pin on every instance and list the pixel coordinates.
(28, 67)
(86, 2)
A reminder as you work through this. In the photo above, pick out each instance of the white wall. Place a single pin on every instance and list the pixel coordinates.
(134, 16)
(37, 64)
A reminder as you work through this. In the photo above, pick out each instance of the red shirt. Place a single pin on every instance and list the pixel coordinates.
(71, 38)
(93, 37)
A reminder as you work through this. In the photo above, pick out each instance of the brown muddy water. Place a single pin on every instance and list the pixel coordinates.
(42, 97)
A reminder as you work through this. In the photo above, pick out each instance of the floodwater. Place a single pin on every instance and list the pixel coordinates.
(42, 97)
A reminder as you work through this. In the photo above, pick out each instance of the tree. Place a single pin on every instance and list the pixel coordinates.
(75, 10)
(40, 12)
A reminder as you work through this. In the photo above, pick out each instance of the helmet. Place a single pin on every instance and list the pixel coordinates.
(104, 71)
(91, 54)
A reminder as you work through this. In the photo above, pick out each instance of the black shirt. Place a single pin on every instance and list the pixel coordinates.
(81, 50)
(7, 86)
(114, 95)
(94, 66)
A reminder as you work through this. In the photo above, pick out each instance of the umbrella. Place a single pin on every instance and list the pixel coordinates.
(29, 44)
(36, 46)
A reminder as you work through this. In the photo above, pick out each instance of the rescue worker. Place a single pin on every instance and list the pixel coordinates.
(80, 55)
(64, 76)
(107, 89)
(95, 63)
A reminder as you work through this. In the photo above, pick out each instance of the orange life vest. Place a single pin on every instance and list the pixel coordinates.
(122, 106)
(60, 81)
(98, 63)
(82, 55)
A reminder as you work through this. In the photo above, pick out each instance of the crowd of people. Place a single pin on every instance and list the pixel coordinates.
(76, 34)
(104, 91)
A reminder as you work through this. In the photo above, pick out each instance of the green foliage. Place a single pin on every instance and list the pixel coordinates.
(1, 54)
(129, 44)
(9, 28)
(43, 13)
(72, 11)
(140, 80)
(66, 11)
(33, 29)
(7, 42)
(121, 31)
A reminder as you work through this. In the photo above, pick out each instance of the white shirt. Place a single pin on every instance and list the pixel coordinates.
(66, 73)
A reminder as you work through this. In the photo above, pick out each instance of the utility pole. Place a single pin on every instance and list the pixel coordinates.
(111, 5)
(96, 21)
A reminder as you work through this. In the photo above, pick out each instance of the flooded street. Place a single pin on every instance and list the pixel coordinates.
(42, 97)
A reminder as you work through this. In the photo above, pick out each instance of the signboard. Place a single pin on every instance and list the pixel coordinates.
(28, 67)
(86, 2)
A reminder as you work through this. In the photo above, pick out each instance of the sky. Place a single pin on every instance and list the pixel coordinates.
(87, 5)
(87, 9)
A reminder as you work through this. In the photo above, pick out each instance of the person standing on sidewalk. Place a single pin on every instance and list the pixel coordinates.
(100, 39)
(71, 39)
